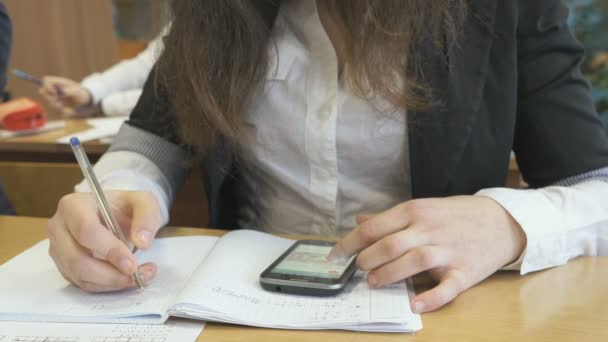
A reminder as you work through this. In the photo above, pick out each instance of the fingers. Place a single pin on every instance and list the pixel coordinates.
(370, 231)
(79, 214)
(50, 97)
(101, 277)
(62, 92)
(148, 272)
(391, 248)
(87, 253)
(53, 86)
(146, 220)
(450, 286)
(93, 275)
(79, 267)
(417, 260)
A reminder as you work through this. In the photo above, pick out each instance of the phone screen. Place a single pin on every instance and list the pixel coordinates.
(310, 261)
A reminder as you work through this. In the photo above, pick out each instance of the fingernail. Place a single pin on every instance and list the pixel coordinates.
(145, 237)
(126, 266)
(147, 274)
(335, 257)
(336, 260)
(372, 281)
(418, 307)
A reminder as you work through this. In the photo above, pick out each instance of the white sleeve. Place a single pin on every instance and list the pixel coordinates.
(126, 75)
(125, 170)
(560, 222)
(120, 103)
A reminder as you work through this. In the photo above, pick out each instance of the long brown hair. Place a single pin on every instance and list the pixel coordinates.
(216, 55)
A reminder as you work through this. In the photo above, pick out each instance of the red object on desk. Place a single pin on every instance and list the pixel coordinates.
(22, 114)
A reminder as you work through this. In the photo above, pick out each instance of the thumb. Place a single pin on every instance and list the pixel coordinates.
(71, 90)
(55, 85)
(75, 94)
(146, 219)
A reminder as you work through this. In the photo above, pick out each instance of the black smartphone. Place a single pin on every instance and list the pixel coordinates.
(304, 270)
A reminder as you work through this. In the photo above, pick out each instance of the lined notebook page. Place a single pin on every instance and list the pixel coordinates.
(226, 287)
(32, 289)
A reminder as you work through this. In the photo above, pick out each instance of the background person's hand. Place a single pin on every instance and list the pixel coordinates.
(64, 94)
(459, 240)
(87, 254)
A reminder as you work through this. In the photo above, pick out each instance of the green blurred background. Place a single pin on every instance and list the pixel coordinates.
(589, 20)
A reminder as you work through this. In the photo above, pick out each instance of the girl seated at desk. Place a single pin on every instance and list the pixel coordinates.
(387, 123)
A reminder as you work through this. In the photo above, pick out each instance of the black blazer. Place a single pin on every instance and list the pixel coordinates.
(513, 83)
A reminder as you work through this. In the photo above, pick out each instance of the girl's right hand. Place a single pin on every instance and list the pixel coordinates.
(87, 254)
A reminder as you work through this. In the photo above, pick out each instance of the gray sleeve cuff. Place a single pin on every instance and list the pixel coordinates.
(599, 174)
(173, 161)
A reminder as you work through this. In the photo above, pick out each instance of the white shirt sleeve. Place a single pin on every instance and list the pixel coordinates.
(120, 103)
(560, 222)
(130, 171)
(127, 75)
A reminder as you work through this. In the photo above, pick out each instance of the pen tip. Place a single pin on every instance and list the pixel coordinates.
(74, 141)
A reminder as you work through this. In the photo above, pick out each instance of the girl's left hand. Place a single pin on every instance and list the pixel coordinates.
(460, 240)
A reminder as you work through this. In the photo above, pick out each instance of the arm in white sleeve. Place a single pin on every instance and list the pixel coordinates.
(139, 160)
(561, 222)
(120, 103)
(126, 75)
(130, 171)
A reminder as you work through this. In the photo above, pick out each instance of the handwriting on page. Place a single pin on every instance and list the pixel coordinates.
(355, 304)
(38, 289)
(154, 297)
(137, 333)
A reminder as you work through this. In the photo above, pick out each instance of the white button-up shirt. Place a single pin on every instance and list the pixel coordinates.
(316, 155)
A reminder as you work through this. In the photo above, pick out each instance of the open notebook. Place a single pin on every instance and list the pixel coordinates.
(201, 277)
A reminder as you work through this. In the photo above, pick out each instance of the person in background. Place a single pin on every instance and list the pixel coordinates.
(114, 91)
(6, 32)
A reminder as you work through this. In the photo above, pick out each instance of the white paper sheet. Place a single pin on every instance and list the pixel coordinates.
(102, 128)
(175, 330)
(30, 283)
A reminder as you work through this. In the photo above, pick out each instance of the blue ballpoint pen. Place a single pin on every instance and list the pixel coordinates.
(28, 77)
(102, 203)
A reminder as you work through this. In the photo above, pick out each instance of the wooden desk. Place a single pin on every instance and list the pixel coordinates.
(568, 303)
(37, 171)
(41, 148)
